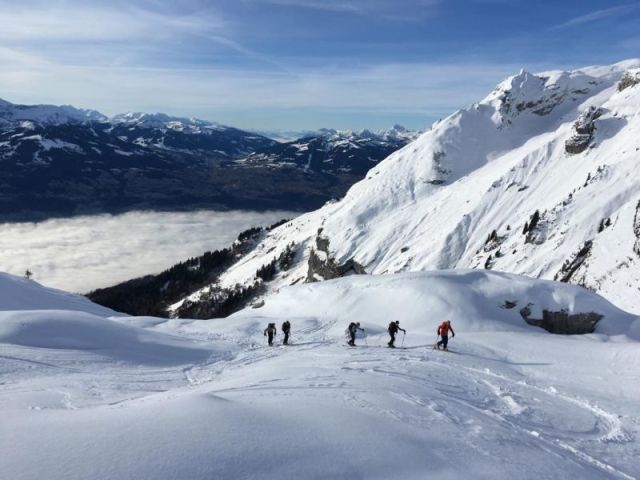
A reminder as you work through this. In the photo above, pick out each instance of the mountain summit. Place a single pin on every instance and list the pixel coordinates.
(538, 178)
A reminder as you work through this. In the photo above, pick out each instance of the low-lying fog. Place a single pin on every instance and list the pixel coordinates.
(83, 253)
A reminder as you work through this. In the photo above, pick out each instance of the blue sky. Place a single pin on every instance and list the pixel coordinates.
(298, 64)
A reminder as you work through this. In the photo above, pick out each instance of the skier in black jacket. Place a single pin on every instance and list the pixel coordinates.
(353, 328)
(393, 329)
(270, 331)
(286, 328)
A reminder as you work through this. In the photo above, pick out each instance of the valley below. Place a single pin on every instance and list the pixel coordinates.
(83, 253)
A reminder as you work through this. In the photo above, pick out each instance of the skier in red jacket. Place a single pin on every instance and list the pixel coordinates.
(443, 331)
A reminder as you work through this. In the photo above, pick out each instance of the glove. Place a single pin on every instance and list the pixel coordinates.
(453, 335)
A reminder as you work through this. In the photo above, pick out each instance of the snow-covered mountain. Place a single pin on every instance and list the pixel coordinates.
(162, 120)
(539, 178)
(86, 393)
(285, 136)
(187, 135)
(45, 114)
(333, 151)
(63, 161)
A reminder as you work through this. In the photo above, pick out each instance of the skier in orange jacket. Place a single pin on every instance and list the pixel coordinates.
(443, 331)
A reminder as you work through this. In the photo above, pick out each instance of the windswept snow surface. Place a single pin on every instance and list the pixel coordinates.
(434, 203)
(86, 396)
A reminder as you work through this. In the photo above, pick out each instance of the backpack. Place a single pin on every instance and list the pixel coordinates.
(393, 328)
(286, 326)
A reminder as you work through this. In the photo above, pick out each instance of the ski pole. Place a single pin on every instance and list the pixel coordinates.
(365, 339)
(403, 334)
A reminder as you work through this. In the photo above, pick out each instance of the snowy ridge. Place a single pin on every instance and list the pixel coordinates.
(107, 397)
(331, 152)
(20, 293)
(46, 114)
(164, 121)
(436, 203)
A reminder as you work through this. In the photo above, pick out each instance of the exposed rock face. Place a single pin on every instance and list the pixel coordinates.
(636, 230)
(322, 265)
(630, 79)
(571, 266)
(562, 322)
(583, 131)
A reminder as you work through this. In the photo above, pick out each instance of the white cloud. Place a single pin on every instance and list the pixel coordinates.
(390, 10)
(83, 253)
(599, 15)
(411, 88)
(328, 5)
(84, 22)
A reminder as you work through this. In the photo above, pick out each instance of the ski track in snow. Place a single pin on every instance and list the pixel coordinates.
(190, 399)
(481, 404)
(505, 400)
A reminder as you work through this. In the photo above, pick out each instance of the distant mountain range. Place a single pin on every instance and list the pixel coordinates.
(60, 161)
(332, 152)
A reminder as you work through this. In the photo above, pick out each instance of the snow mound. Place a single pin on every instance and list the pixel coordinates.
(19, 293)
(474, 300)
(66, 330)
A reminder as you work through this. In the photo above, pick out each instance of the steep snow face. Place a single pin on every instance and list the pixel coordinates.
(46, 114)
(148, 398)
(435, 203)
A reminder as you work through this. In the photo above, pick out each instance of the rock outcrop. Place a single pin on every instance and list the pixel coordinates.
(323, 266)
(583, 130)
(562, 322)
(571, 266)
(636, 230)
(630, 79)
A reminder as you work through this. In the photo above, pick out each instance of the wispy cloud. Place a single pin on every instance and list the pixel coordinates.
(381, 8)
(119, 34)
(97, 23)
(327, 5)
(598, 15)
(230, 95)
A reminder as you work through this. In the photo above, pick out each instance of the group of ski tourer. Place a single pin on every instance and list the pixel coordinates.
(394, 327)
(270, 332)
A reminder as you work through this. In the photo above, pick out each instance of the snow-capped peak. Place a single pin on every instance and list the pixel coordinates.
(164, 121)
(465, 193)
(11, 113)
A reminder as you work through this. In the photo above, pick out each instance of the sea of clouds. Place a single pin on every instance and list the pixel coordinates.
(83, 253)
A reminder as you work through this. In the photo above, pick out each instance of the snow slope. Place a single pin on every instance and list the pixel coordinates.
(207, 399)
(19, 293)
(491, 166)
